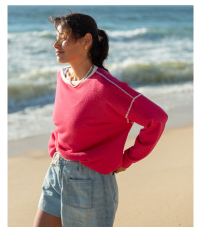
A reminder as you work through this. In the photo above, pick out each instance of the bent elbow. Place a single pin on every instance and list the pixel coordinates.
(163, 120)
(164, 117)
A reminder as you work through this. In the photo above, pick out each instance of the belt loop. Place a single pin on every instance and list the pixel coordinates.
(80, 168)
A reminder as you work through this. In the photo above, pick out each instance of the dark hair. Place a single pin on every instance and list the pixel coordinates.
(82, 24)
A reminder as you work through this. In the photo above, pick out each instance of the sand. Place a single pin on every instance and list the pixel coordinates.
(155, 192)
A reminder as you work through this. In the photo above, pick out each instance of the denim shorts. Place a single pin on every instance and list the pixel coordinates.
(80, 196)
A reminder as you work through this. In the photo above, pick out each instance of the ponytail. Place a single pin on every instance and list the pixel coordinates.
(99, 49)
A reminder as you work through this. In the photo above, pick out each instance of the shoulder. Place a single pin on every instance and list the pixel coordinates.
(114, 85)
(106, 76)
(109, 81)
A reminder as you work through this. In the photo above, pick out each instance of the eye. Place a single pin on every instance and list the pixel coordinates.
(61, 38)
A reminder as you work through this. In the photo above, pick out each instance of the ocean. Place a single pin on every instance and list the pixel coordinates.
(150, 48)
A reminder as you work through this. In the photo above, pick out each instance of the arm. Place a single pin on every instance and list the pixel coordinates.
(145, 113)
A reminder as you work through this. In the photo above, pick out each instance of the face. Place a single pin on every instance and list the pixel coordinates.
(67, 49)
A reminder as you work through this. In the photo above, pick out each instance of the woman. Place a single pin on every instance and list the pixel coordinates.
(93, 114)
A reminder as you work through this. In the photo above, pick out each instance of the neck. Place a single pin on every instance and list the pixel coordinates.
(80, 69)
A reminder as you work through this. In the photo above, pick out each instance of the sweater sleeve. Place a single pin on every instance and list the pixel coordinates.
(153, 119)
(52, 143)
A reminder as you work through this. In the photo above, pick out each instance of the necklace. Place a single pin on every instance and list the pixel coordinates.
(72, 76)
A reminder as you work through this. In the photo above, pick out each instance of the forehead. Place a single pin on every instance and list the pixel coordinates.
(62, 30)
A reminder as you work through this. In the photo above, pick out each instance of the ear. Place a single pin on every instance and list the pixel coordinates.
(88, 40)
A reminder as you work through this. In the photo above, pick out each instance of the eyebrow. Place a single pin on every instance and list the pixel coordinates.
(59, 33)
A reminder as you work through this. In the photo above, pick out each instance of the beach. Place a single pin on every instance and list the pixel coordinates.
(154, 192)
(152, 55)
(150, 49)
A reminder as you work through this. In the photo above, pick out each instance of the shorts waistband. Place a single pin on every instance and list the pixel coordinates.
(59, 160)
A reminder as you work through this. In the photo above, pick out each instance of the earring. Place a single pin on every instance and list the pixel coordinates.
(85, 47)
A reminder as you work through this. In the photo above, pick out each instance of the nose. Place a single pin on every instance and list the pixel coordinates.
(56, 44)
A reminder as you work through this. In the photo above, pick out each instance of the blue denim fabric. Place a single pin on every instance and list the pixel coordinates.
(80, 196)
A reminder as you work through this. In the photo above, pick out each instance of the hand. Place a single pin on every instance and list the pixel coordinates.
(121, 169)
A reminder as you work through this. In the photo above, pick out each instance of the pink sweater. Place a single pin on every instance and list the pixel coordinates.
(93, 121)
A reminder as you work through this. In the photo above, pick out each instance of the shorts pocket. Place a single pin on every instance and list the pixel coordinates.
(80, 192)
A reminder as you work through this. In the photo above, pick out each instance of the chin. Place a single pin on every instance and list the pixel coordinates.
(61, 61)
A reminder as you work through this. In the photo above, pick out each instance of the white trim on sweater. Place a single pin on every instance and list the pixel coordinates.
(131, 105)
(118, 86)
(133, 98)
(64, 70)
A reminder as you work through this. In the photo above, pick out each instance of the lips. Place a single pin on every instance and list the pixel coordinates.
(59, 52)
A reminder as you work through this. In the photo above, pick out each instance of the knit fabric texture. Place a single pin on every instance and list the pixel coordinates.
(93, 121)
